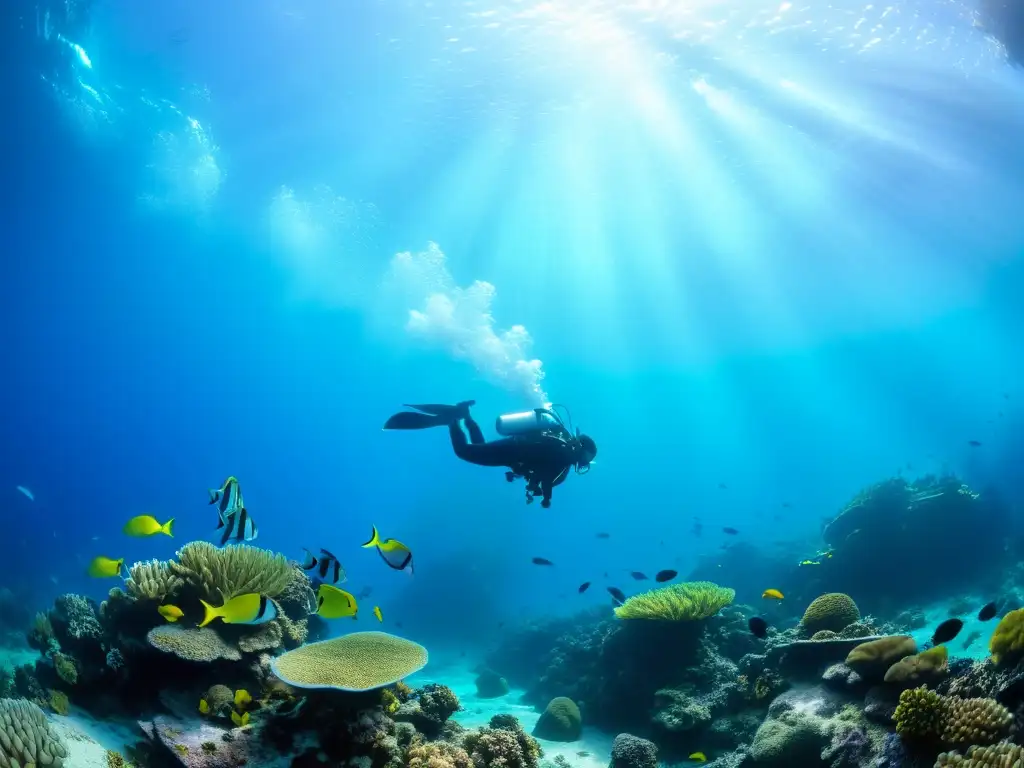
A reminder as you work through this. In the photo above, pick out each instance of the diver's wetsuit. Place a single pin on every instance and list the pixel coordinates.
(543, 459)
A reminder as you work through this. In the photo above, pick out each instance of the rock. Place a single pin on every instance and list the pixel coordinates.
(490, 685)
(560, 721)
(880, 703)
(805, 658)
(630, 751)
(849, 748)
(840, 677)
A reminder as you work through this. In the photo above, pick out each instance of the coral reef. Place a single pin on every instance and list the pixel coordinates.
(923, 714)
(429, 708)
(1007, 642)
(361, 661)
(221, 574)
(873, 659)
(832, 612)
(152, 580)
(690, 601)
(560, 721)
(504, 744)
(629, 751)
(490, 685)
(925, 667)
(26, 738)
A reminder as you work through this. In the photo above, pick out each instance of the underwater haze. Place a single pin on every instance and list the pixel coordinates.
(766, 253)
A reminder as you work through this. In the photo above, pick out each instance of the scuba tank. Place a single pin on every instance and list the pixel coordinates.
(527, 423)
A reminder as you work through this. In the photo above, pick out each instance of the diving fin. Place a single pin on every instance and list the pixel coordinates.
(459, 410)
(410, 420)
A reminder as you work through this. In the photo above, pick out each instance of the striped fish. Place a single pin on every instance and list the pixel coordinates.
(228, 499)
(239, 526)
(327, 566)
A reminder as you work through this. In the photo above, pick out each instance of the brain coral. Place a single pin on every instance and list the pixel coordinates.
(560, 721)
(690, 601)
(834, 611)
(361, 661)
(879, 655)
(26, 738)
(192, 643)
(1007, 641)
(923, 667)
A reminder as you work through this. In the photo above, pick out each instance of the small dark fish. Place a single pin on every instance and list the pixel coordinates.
(604, 535)
(946, 631)
(989, 611)
(541, 561)
(974, 443)
(758, 627)
(667, 575)
(697, 528)
(638, 576)
(582, 754)
(584, 587)
(618, 597)
(606, 574)
(722, 486)
(501, 624)
(971, 638)
(398, 624)
(730, 531)
(786, 504)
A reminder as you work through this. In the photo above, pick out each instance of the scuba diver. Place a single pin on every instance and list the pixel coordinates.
(535, 445)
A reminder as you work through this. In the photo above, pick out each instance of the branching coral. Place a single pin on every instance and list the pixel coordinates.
(503, 745)
(833, 611)
(152, 580)
(41, 635)
(221, 574)
(922, 713)
(438, 754)
(690, 601)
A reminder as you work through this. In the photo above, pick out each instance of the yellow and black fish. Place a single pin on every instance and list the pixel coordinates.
(105, 567)
(243, 609)
(334, 603)
(394, 553)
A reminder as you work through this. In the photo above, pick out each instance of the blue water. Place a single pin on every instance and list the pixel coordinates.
(768, 248)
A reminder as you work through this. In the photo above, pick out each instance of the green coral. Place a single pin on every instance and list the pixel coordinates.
(65, 668)
(918, 713)
(1007, 641)
(389, 701)
(791, 739)
(116, 760)
(152, 580)
(560, 721)
(1003, 754)
(919, 668)
(690, 601)
(221, 574)
(59, 702)
(877, 656)
(41, 635)
(833, 611)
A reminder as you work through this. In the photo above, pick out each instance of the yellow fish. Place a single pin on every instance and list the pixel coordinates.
(808, 562)
(241, 720)
(334, 603)
(242, 698)
(243, 609)
(147, 525)
(394, 553)
(699, 757)
(774, 594)
(377, 613)
(105, 567)
(204, 707)
(170, 612)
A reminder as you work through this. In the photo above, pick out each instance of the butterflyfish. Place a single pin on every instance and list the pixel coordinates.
(377, 613)
(327, 566)
(228, 498)
(204, 707)
(147, 525)
(240, 720)
(242, 698)
(394, 553)
(105, 567)
(334, 603)
(773, 594)
(239, 526)
(243, 609)
(170, 612)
